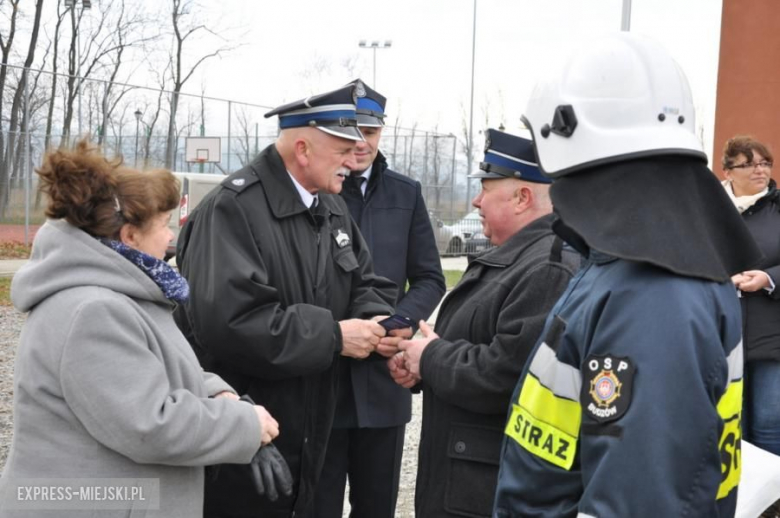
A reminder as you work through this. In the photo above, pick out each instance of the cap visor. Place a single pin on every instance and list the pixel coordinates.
(347, 132)
(369, 121)
(485, 174)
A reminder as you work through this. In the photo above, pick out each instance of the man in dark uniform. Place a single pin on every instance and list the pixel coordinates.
(630, 402)
(282, 288)
(488, 325)
(367, 440)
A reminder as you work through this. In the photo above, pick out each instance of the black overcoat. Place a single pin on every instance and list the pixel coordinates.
(488, 326)
(269, 282)
(761, 309)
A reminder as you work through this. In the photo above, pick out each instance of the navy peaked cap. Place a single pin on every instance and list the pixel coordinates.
(509, 156)
(370, 105)
(332, 112)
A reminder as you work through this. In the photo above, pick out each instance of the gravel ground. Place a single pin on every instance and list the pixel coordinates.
(11, 324)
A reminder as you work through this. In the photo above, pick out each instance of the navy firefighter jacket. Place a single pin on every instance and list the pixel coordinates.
(630, 404)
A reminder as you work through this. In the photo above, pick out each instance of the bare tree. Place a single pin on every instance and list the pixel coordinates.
(54, 76)
(6, 43)
(245, 136)
(16, 107)
(127, 33)
(185, 24)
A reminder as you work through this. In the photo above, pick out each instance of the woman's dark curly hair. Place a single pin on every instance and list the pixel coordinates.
(99, 195)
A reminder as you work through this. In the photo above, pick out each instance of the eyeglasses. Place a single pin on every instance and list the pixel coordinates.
(748, 165)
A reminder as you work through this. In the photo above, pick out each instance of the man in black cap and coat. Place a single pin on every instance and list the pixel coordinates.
(282, 288)
(367, 440)
(486, 328)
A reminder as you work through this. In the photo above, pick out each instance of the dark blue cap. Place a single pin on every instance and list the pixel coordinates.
(370, 105)
(509, 156)
(332, 112)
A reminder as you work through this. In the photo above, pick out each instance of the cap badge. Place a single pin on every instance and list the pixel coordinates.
(360, 91)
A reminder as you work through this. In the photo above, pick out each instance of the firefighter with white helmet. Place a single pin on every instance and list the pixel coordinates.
(630, 403)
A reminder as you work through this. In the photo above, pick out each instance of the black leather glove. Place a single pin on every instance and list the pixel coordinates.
(270, 471)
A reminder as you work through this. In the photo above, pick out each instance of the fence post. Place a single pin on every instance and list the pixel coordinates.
(26, 134)
(230, 110)
(452, 175)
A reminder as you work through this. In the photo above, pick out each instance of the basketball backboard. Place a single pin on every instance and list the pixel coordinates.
(203, 149)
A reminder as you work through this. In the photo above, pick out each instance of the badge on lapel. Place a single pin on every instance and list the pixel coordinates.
(341, 237)
(606, 394)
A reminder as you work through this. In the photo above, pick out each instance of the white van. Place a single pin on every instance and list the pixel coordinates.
(194, 187)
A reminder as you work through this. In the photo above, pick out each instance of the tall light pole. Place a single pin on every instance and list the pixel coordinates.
(363, 44)
(470, 153)
(85, 4)
(625, 21)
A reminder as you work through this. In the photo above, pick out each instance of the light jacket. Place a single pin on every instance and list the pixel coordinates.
(105, 385)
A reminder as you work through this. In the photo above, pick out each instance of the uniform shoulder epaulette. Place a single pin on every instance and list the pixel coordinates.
(240, 180)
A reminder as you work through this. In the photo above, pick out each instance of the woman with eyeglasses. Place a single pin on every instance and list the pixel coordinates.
(747, 165)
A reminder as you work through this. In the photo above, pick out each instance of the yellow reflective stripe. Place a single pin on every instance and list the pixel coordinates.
(730, 403)
(546, 425)
(541, 439)
(544, 405)
(730, 410)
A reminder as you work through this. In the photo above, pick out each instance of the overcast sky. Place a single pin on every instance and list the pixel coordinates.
(292, 48)
(288, 49)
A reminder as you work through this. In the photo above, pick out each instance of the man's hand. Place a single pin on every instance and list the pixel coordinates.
(751, 280)
(413, 349)
(388, 346)
(360, 337)
(400, 373)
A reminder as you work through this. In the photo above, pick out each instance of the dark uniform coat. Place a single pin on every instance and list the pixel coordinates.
(488, 326)
(629, 406)
(269, 283)
(760, 309)
(395, 224)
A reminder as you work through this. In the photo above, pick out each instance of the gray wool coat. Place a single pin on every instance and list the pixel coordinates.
(105, 385)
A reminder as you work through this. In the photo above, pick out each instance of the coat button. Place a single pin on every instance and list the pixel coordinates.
(460, 447)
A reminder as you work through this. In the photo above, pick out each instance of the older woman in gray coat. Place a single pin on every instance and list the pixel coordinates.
(105, 386)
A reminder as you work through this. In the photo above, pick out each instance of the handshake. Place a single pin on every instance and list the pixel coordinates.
(404, 366)
(363, 337)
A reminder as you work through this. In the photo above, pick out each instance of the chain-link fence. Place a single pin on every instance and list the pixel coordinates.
(134, 122)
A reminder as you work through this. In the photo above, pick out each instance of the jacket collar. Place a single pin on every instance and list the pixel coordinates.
(516, 245)
(377, 172)
(283, 199)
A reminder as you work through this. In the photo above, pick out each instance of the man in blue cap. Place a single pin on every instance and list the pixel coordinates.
(367, 441)
(486, 328)
(282, 288)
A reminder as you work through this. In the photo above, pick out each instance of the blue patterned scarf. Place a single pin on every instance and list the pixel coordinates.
(173, 285)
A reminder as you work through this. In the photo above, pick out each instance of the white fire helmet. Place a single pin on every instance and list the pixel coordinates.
(620, 97)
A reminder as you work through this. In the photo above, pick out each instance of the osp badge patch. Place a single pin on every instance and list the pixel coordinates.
(606, 394)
